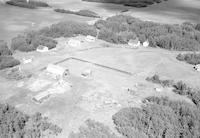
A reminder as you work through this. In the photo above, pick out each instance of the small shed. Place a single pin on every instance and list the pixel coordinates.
(58, 71)
(134, 43)
(145, 43)
(87, 73)
(90, 38)
(197, 67)
(41, 48)
(74, 43)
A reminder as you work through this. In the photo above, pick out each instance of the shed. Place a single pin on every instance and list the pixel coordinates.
(74, 43)
(41, 48)
(87, 73)
(197, 67)
(146, 43)
(134, 43)
(42, 96)
(58, 71)
(90, 38)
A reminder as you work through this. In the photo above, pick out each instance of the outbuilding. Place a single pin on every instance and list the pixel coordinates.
(58, 71)
(41, 48)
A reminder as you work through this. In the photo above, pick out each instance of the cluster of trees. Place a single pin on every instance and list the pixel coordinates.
(121, 28)
(30, 41)
(93, 129)
(191, 58)
(179, 87)
(156, 79)
(133, 3)
(32, 4)
(161, 117)
(15, 124)
(68, 29)
(6, 59)
(86, 13)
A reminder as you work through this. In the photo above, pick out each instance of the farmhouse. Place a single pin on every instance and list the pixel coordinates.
(57, 71)
(134, 43)
(41, 48)
(146, 43)
(90, 38)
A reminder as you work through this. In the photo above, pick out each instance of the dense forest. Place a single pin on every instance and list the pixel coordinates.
(15, 124)
(32, 4)
(133, 3)
(190, 58)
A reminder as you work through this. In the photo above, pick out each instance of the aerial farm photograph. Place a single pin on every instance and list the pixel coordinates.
(99, 68)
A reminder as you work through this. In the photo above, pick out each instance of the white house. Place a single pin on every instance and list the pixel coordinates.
(41, 48)
(58, 71)
(90, 38)
(134, 43)
(27, 60)
(74, 43)
(146, 43)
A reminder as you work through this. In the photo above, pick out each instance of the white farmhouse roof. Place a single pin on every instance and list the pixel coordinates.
(74, 43)
(55, 69)
(146, 43)
(90, 38)
(134, 43)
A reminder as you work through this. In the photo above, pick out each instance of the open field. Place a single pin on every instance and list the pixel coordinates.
(114, 70)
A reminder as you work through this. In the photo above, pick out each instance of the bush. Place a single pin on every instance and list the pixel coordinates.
(7, 62)
(178, 87)
(4, 50)
(160, 118)
(156, 79)
(93, 129)
(197, 27)
(191, 58)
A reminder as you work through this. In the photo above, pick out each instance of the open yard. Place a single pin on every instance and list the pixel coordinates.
(100, 95)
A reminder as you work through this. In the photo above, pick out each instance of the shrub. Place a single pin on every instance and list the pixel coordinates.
(178, 87)
(93, 129)
(156, 79)
(4, 50)
(7, 62)
(197, 27)
(191, 58)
